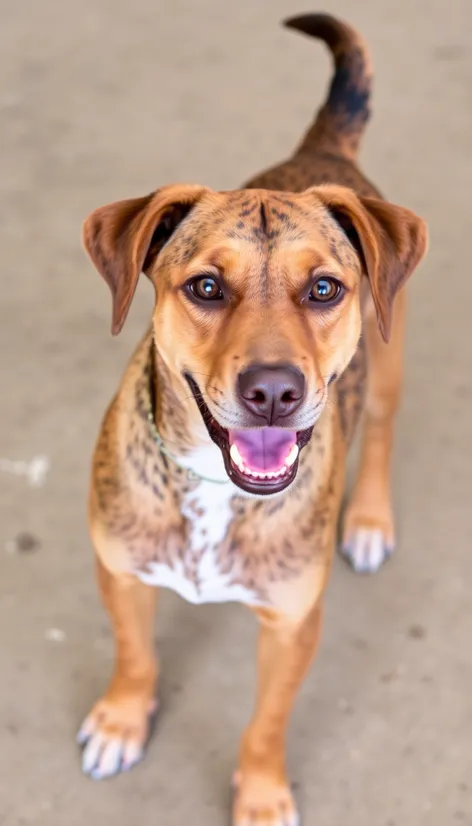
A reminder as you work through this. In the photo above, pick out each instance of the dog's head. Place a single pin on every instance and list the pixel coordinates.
(258, 302)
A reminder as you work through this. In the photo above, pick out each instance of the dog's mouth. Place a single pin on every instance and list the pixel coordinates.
(262, 460)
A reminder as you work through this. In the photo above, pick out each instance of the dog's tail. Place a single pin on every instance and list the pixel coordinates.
(340, 123)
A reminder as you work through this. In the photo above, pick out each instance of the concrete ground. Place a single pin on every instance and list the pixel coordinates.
(108, 98)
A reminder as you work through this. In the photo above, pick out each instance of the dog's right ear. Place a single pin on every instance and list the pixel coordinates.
(124, 238)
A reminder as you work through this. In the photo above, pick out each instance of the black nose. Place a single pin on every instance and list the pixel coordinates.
(271, 392)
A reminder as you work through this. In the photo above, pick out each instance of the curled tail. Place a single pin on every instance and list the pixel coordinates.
(340, 122)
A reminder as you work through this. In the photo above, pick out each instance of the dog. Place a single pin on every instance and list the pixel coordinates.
(219, 470)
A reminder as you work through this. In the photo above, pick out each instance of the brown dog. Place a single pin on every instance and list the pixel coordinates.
(219, 469)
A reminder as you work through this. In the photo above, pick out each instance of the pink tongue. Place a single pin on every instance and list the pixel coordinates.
(265, 449)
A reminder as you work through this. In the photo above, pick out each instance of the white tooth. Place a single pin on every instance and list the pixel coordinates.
(235, 455)
(292, 456)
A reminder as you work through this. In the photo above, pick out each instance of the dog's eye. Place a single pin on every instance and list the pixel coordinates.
(325, 290)
(206, 288)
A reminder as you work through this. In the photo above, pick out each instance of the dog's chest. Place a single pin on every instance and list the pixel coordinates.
(197, 575)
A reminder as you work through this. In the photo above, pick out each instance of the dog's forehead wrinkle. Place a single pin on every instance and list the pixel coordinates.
(263, 217)
(266, 225)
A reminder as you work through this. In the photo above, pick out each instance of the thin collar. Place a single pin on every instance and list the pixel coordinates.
(157, 436)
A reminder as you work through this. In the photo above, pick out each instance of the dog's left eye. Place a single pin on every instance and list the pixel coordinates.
(206, 288)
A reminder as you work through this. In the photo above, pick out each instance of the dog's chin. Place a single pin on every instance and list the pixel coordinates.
(261, 461)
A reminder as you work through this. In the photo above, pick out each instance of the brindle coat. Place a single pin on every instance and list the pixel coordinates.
(153, 518)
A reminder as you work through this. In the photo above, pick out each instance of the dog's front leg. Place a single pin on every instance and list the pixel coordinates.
(286, 649)
(115, 732)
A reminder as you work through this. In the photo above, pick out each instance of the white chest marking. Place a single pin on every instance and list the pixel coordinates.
(208, 509)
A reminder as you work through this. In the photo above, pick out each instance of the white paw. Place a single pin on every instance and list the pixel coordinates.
(104, 755)
(114, 735)
(366, 549)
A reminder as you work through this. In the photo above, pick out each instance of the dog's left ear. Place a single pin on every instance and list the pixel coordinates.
(390, 240)
(124, 238)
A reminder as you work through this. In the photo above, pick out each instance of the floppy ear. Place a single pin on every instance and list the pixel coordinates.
(123, 239)
(389, 239)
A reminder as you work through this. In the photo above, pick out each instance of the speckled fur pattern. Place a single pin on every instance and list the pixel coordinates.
(173, 518)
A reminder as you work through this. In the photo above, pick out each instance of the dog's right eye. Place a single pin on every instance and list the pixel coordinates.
(206, 288)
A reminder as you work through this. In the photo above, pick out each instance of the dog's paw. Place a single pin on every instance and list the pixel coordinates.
(114, 735)
(366, 549)
(260, 801)
(368, 537)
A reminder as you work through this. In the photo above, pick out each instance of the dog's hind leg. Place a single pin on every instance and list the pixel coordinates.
(368, 536)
